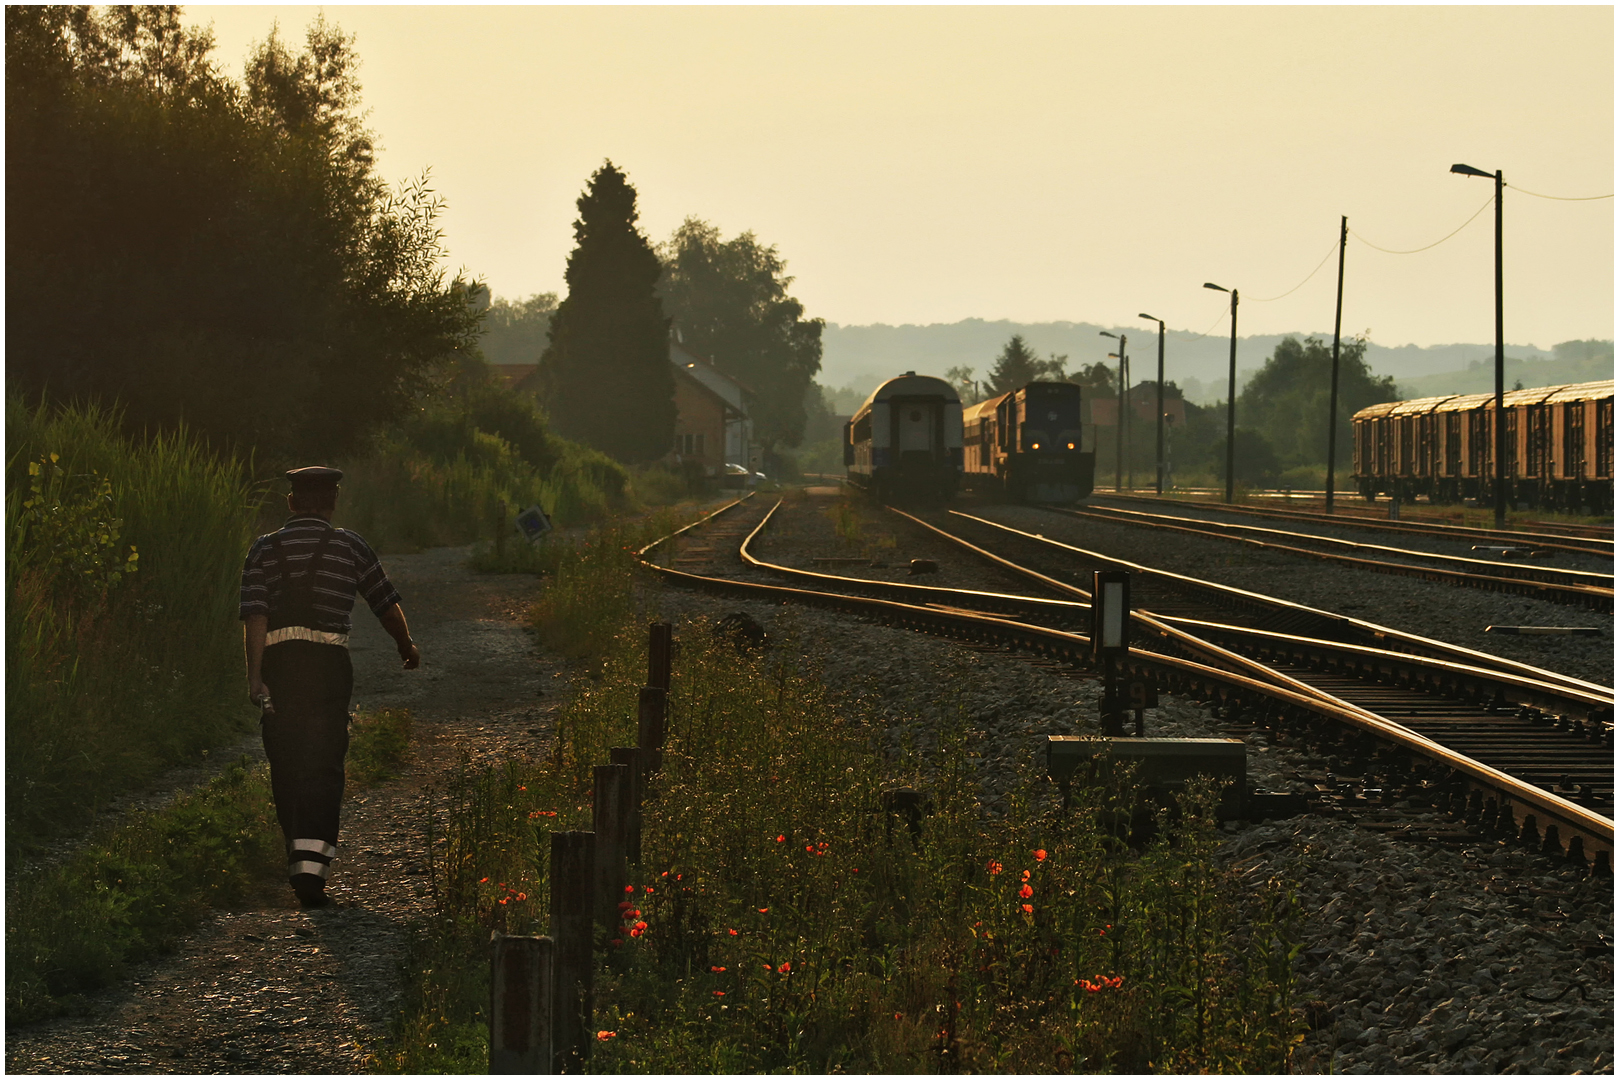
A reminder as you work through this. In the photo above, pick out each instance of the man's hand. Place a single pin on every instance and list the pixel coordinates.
(259, 695)
(411, 655)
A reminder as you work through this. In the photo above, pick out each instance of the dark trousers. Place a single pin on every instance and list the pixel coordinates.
(306, 739)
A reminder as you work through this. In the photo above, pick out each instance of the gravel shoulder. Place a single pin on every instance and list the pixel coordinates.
(270, 988)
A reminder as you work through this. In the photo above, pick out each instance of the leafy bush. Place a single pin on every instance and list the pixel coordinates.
(107, 685)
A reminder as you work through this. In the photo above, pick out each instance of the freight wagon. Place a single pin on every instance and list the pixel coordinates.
(1559, 447)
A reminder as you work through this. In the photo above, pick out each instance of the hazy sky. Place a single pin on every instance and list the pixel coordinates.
(928, 164)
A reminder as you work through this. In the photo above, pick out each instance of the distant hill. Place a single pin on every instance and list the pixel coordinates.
(1479, 377)
(860, 357)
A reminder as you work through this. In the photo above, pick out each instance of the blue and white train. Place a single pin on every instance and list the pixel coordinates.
(904, 443)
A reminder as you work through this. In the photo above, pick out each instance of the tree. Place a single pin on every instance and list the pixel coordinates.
(961, 377)
(517, 331)
(202, 251)
(1018, 365)
(1286, 401)
(729, 300)
(1098, 379)
(605, 375)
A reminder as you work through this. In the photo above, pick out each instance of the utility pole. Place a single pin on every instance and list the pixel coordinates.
(1500, 376)
(1337, 326)
(1500, 356)
(1231, 400)
(1160, 322)
(1118, 425)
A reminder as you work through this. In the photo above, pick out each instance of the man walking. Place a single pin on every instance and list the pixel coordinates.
(298, 589)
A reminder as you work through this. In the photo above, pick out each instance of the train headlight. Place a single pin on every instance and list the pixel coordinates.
(1070, 446)
(1037, 446)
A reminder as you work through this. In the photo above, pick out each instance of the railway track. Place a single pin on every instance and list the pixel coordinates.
(1583, 540)
(1584, 588)
(1554, 731)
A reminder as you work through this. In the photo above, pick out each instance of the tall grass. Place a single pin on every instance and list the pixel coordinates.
(783, 921)
(105, 685)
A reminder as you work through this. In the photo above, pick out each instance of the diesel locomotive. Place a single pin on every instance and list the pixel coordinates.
(904, 443)
(1025, 445)
(1559, 447)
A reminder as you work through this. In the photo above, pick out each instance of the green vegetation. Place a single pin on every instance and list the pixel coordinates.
(729, 300)
(782, 922)
(112, 676)
(605, 375)
(379, 742)
(516, 331)
(75, 926)
(219, 252)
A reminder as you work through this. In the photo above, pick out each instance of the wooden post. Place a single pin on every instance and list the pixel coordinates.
(634, 793)
(520, 1009)
(659, 654)
(607, 814)
(573, 857)
(653, 724)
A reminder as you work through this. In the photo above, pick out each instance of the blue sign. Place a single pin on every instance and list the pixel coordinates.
(534, 523)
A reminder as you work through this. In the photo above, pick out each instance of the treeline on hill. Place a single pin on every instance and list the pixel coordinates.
(1281, 422)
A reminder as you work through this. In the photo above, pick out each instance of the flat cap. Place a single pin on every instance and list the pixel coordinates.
(312, 476)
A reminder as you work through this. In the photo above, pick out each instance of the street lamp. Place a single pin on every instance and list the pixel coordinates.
(1231, 400)
(1160, 322)
(1500, 355)
(1118, 424)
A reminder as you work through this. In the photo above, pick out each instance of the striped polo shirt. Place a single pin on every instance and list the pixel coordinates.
(347, 567)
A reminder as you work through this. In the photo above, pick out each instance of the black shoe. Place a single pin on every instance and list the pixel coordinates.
(311, 890)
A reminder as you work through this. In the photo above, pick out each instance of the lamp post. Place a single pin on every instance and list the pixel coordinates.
(1160, 322)
(1118, 424)
(1231, 400)
(1500, 355)
(1332, 401)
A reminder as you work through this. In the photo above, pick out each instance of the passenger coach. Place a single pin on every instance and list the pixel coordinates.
(1559, 446)
(904, 443)
(1026, 443)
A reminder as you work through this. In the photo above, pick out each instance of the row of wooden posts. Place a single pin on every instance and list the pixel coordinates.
(541, 988)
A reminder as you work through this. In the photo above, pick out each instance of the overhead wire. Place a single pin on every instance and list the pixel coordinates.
(1436, 243)
(1300, 285)
(1559, 198)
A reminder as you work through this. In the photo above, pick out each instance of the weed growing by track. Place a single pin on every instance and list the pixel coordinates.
(783, 921)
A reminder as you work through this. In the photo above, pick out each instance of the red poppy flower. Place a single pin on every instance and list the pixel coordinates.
(717, 970)
(1040, 855)
(769, 968)
(650, 889)
(483, 881)
(993, 867)
(629, 888)
(781, 838)
(522, 896)
(1025, 892)
(785, 967)
(625, 905)
(764, 911)
(605, 1035)
(640, 926)
(1028, 909)
(719, 993)
(733, 933)
(635, 931)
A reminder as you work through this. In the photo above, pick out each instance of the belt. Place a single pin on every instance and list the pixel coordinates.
(304, 633)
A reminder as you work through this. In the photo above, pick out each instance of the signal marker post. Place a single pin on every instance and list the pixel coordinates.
(1110, 639)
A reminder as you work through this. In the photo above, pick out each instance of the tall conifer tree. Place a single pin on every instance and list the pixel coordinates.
(605, 374)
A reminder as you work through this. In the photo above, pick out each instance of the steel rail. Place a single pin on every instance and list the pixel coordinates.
(1584, 545)
(1201, 527)
(1194, 633)
(1413, 642)
(1524, 801)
